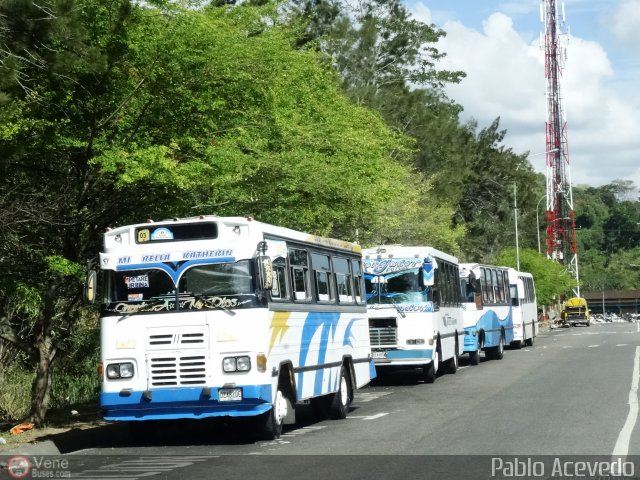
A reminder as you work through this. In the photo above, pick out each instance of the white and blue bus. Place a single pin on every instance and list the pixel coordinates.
(525, 308)
(488, 313)
(413, 304)
(227, 316)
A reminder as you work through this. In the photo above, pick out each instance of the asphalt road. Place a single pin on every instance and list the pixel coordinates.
(573, 393)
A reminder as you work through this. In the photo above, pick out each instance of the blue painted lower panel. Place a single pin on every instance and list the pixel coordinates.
(405, 357)
(177, 403)
(470, 340)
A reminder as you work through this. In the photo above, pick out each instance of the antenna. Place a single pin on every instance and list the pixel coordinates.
(561, 231)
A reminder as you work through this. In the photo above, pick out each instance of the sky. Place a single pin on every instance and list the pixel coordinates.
(497, 43)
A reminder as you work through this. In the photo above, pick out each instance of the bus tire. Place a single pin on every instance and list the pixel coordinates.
(430, 371)
(274, 418)
(451, 365)
(474, 357)
(339, 402)
(496, 353)
(529, 341)
(500, 348)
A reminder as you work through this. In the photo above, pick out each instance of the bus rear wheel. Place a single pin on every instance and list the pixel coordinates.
(339, 402)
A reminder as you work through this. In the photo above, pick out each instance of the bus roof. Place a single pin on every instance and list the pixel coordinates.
(465, 268)
(404, 251)
(240, 233)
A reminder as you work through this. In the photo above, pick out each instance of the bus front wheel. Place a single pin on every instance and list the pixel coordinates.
(274, 418)
(474, 357)
(429, 371)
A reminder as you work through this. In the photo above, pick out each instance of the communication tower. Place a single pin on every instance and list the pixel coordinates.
(561, 230)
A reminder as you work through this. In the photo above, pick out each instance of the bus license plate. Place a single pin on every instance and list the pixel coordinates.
(229, 394)
(379, 354)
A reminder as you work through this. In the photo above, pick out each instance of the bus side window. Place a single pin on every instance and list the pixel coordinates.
(435, 290)
(343, 280)
(356, 268)
(299, 264)
(322, 277)
(514, 295)
(279, 284)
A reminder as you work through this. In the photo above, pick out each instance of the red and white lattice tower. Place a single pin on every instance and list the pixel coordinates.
(561, 231)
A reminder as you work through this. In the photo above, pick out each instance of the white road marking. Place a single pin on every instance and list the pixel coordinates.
(592, 346)
(141, 467)
(368, 396)
(624, 438)
(303, 430)
(622, 345)
(370, 417)
(373, 417)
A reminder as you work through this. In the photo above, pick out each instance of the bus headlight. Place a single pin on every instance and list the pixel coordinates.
(236, 364)
(120, 370)
(244, 364)
(229, 364)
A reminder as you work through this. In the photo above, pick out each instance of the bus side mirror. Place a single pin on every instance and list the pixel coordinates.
(90, 285)
(266, 272)
(428, 277)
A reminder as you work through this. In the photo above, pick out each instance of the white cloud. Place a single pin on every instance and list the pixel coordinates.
(505, 78)
(625, 22)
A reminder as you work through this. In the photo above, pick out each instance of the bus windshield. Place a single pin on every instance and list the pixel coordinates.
(398, 287)
(218, 285)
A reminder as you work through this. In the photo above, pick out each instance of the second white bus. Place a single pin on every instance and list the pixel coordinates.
(414, 310)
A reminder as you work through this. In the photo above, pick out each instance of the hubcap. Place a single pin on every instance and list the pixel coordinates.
(344, 393)
(280, 407)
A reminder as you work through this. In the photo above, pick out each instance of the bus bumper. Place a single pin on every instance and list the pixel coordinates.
(183, 403)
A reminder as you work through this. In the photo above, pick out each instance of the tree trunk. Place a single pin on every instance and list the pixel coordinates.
(40, 388)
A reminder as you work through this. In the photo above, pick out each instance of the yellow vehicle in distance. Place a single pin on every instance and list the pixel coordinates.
(575, 312)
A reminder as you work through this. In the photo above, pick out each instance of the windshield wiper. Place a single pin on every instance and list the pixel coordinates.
(402, 314)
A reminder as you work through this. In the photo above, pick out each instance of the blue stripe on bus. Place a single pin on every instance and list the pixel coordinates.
(491, 325)
(175, 403)
(372, 370)
(315, 320)
(409, 354)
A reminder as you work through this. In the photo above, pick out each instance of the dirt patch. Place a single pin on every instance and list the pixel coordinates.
(76, 418)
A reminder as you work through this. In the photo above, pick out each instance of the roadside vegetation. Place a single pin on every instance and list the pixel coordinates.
(316, 115)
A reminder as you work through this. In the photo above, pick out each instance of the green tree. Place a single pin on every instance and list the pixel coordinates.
(132, 111)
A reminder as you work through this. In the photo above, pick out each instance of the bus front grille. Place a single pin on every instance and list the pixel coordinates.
(185, 370)
(160, 340)
(382, 336)
(383, 332)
